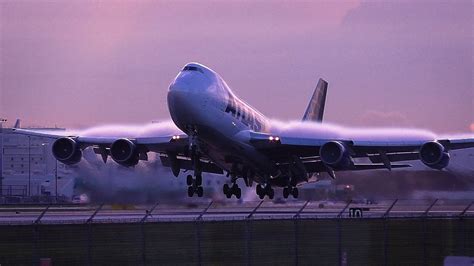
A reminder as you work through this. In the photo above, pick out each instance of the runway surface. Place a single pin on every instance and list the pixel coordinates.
(219, 211)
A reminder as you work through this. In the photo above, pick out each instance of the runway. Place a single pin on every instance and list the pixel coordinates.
(221, 211)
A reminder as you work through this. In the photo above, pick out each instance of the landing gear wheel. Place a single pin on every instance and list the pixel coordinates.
(234, 188)
(237, 191)
(190, 191)
(198, 180)
(268, 190)
(260, 191)
(295, 193)
(286, 192)
(226, 189)
(199, 191)
(271, 193)
(189, 180)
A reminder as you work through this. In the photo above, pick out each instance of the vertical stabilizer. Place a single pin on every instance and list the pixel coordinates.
(17, 123)
(315, 110)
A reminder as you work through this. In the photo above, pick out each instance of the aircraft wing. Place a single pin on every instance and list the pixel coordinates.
(377, 151)
(159, 144)
(172, 148)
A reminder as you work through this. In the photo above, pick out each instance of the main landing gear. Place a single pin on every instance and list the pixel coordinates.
(194, 185)
(232, 190)
(266, 190)
(290, 190)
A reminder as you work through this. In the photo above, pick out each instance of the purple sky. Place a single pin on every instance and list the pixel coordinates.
(82, 63)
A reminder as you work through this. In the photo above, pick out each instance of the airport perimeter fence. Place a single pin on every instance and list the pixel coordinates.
(307, 233)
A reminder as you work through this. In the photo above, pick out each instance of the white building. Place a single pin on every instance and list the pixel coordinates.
(28, 168)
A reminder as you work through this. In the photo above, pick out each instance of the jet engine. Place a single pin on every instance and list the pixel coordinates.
(434, 155)
(67, 151)
(124, 152)
(335, 154)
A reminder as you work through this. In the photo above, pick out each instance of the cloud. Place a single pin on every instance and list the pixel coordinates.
(164, 128)
(472, 127)
(333, 131)
(382, 55)
(380, 118)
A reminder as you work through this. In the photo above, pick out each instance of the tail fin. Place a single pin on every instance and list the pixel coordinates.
(17, 123)
(315, 110)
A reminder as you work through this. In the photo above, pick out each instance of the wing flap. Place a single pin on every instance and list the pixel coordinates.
(318, 166)
(395, 157)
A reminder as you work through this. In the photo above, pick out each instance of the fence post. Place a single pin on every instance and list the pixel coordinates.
(339, 233)
(142, 229)
(385, 231)
(94, 214)
(198, 232)
(343, 210)
(89, 235)
(248, 235)
(296, 218)
(462, 223)
(429, 208)
(38, 220)
(35, 253)
(425, 215)
(466, 209)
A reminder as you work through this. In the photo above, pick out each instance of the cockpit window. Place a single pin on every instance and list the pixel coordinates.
(192, 68)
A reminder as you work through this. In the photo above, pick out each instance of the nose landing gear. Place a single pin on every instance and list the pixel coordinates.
(194, 184)
(234, 189)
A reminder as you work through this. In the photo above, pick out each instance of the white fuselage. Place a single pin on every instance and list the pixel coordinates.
(203, 106)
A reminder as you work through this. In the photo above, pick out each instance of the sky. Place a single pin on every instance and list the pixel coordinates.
(78, 64)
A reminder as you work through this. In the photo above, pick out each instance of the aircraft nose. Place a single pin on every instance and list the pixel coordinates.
(183, 102)
(180, 84)
(190, 82)
(187, 96)
(178, 98)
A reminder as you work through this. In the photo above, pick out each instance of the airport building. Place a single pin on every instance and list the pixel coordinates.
(29, 172)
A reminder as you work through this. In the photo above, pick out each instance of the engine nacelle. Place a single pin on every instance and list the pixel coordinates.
(67, 151)
(124, 152)
(335, 154)
(434, 155)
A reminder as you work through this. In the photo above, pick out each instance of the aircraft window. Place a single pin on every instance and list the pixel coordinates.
(192, 68)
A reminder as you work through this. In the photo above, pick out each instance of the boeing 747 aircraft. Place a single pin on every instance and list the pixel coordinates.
(219, 133)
